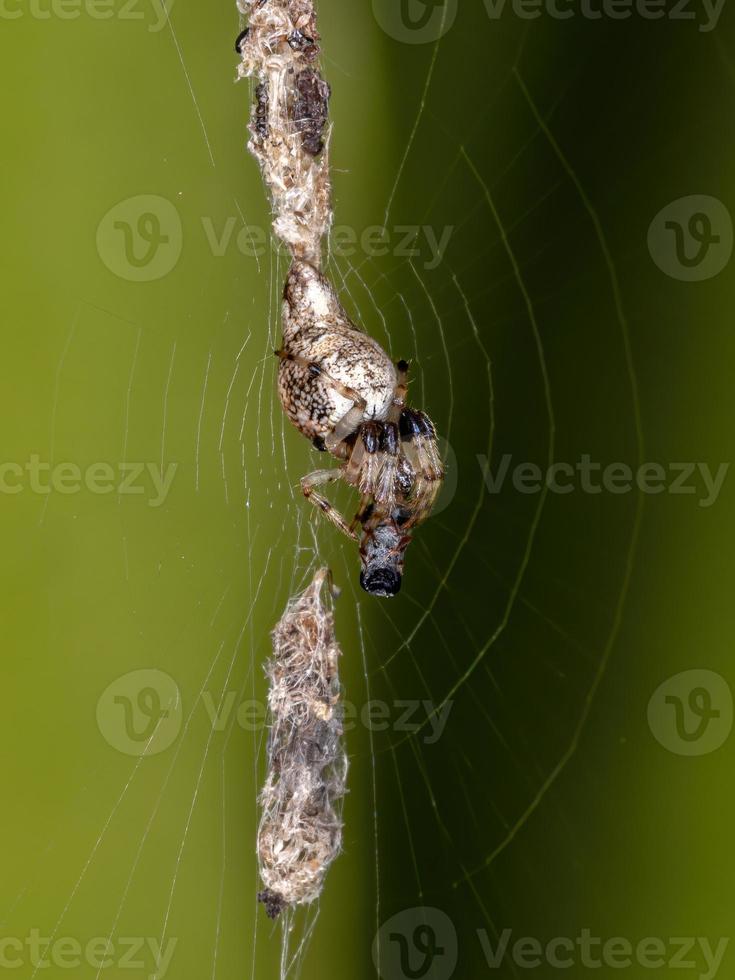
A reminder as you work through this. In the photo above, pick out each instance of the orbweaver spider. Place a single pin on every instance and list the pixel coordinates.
(342, 391)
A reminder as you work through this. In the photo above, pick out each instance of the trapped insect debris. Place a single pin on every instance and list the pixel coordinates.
(336, 384)
(300, 832)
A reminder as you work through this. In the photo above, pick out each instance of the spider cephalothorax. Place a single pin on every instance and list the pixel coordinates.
(342, 391)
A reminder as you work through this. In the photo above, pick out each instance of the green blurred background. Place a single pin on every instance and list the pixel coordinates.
(543, 624)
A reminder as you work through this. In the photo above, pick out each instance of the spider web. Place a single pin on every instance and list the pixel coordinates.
(163, 845)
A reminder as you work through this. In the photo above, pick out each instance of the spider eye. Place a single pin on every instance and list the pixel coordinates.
(381, 581)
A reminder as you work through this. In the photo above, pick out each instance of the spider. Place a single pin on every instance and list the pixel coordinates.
(341, 390)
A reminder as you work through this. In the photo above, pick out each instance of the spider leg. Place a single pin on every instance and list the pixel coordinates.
(357, 468)
(352, 417)
(424, 495)
(401, 389)
(373, 464)
(319, 478)
(385, 485)
(364, 511)
(418, 441)
(345, 427)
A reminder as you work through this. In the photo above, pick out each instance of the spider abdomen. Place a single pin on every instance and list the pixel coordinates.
(328, 367)
(348, 357)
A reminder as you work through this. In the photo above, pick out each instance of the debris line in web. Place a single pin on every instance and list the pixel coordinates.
(289, 125)
(300, 831)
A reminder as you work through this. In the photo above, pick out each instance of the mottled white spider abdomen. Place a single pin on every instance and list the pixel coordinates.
(320, 347)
